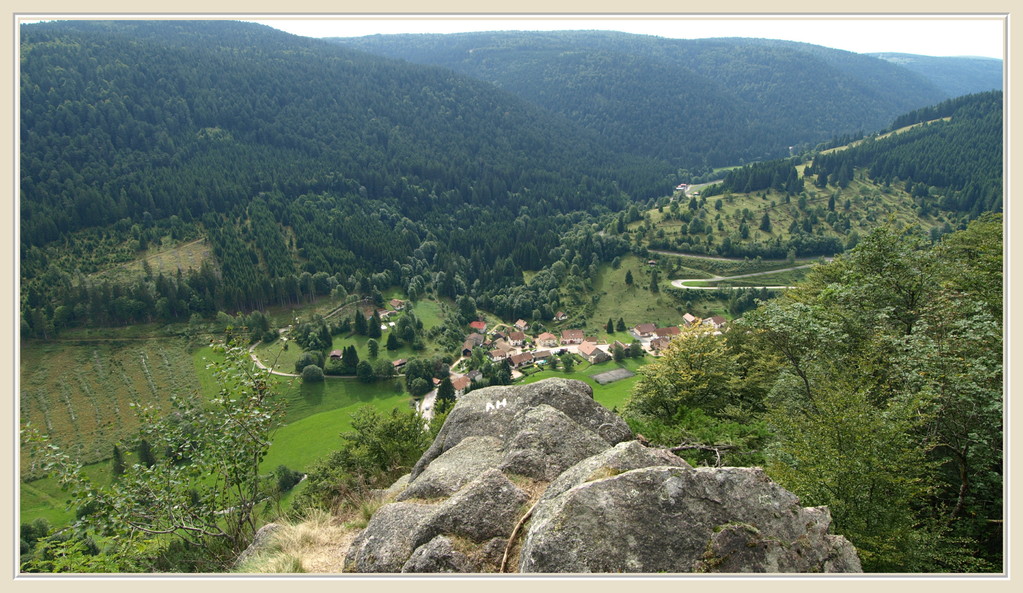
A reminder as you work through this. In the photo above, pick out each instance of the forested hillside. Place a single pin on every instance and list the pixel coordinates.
(954, 162)
(293, 157)
(697, 103)
(960, 75)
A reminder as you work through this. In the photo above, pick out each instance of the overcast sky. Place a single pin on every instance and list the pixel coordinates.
(932, 36)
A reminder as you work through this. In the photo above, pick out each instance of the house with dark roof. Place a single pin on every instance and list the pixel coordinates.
(517, 338)
(717, 321)
(521, 360)
(572, 336)
(667, 332)
(473, 340)
(644, 330)
(541, 356)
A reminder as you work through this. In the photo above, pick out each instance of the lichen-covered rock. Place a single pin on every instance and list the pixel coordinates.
(664, 519)
(547, 442)
(393, 492)
(744, 548)
(455, 468)
(262, 541)
(603, 502)
(486, 508)
(498, 412)
(610, 462)
(437, 555)
(389, 539)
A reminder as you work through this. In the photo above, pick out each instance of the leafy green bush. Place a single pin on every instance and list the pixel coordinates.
(287, 478)
(312, 374)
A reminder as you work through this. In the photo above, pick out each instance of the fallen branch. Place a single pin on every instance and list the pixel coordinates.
(716, 449)
(514, 535)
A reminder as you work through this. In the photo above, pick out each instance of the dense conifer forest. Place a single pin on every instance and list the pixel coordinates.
(697, 103)
(278, 147)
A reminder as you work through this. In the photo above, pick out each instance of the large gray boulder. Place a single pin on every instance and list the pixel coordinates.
(671, 519)
(486, 508)
(503, 412)
(455, 468)
(587, 498)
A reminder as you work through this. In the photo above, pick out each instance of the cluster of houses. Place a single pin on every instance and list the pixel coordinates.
(521, 350)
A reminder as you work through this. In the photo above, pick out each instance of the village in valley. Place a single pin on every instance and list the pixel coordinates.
(525, 352)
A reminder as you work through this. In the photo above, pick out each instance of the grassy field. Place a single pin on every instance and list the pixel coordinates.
(635, 304)
(613, 395)
(166, 258)
(314, 414)
(865, 204)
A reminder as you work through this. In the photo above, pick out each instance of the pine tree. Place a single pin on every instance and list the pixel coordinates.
(610, 326)
(628, 277)
(360, 323)
(765, 223)
(144, 452)
(620, 326)
(392, 341)
(117, 463)
(445, 396)
(373, 330)
(350, 358)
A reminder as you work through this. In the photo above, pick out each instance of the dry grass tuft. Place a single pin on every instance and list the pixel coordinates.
(318, 544)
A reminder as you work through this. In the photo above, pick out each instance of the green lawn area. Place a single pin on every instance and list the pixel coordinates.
(427, 311)
(316, 418)
(635, 304)
(611, 396)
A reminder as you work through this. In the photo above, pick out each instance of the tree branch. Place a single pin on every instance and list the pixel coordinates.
(716, 449)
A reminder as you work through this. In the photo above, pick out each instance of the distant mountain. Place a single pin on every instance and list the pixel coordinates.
(116, 117)
(955, 75)
(293, 156)
(696, 103)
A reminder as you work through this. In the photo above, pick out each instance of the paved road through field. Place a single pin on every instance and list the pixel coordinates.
(681, 283)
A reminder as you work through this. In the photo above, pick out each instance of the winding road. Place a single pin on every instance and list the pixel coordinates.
(681, 283)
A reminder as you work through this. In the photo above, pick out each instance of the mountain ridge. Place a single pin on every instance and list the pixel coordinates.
(762, 95)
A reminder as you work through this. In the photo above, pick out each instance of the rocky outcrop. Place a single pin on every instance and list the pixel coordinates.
(541, 478)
